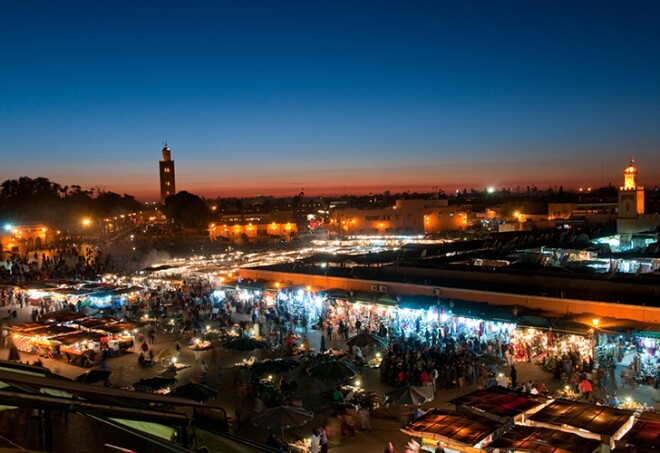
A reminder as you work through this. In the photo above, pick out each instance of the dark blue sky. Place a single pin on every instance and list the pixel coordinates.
(336, 96)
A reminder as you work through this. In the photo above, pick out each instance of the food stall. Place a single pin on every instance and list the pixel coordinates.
(456, 432)
(548, 345)
(501, 403)
(532, 439)
(79, 348)
(120, 335)
(602, 423)
(644, 437)
(37, 338)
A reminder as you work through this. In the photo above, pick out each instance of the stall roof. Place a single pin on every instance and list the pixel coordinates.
(72, 291)
(601, 420)
(91, 323)
(543, 440)
(336, 293)
(419, 302)
(49, 331)
(125, 290)
(645, 435)
(64, 315)
(500, 401)
(461, 428)
(119, 327)
(27, 327)
(78, 337)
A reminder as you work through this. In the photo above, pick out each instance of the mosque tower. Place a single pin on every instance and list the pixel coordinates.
(631, 195)
(167, 187)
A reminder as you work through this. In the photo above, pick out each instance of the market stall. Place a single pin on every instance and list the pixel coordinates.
(602, 423)
(549, 346)
(644, 437)
(456, 432)
(79, 348)
(542, 440)
(120, 335)
(501, 403)
(37, 338)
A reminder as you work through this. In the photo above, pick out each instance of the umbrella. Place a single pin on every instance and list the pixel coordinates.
(195, 392)
(192, 325)
(409, 395)
(274, 366)
(166, 354)
(170, 373)
(333, 371)
(281, 418)
(246, 344)
(366, 339)
(93, 376)
(154, 383)
(489, 359)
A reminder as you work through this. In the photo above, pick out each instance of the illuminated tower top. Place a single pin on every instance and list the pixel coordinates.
(630, 176)
(167, 154)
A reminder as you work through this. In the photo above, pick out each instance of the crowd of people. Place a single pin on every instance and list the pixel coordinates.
(74, 262)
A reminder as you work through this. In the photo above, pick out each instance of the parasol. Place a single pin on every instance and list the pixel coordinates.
(154, 383)
(246, 344)
(489, 359)
(366, 339)
(333, 371)
(274, 366)
(281, 418)
(409, 395)
(195, 392)
(93, 376)
(166, 354)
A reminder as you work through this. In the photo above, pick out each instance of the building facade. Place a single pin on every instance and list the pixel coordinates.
(28, 237)
(405, 217)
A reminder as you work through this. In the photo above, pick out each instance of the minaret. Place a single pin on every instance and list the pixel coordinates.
(631, 196)
(167, 187)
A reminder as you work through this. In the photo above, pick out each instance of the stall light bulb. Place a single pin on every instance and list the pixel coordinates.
(173, 359)
(357, 383)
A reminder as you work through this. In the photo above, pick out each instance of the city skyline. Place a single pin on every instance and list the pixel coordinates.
(268, 99)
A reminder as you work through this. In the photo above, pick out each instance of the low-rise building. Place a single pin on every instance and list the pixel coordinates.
(26, 237)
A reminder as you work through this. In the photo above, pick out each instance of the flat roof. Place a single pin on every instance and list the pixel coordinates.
(464, 428)
(601, 420)
(543, 440)
(500, 401)
(645, 435)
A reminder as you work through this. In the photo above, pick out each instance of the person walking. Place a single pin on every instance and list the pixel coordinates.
(315, 442)
(203, 373)
(514, 377)
(364, 419)
(586, 388)
(323, 440)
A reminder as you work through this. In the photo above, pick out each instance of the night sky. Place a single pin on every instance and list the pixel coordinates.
(268, 97)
